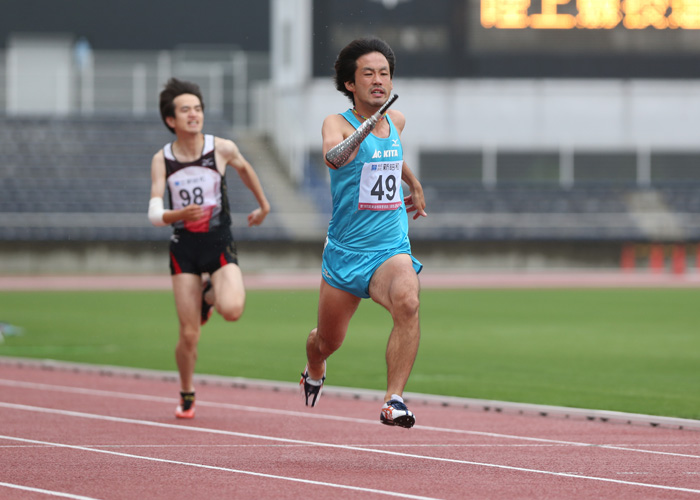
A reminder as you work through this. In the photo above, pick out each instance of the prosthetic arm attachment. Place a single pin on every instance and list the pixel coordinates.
(156, 211)
(338, 155)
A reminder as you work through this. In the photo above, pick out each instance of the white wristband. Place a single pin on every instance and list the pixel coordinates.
(156, 211)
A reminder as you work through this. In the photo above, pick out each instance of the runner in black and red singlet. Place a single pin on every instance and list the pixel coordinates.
(203, 258)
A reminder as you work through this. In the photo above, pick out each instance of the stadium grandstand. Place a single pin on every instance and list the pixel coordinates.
(528, 141)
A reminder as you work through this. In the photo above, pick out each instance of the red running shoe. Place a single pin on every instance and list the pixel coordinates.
(186, 407)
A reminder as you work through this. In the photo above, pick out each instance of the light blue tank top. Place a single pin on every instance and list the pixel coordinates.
(368, 208)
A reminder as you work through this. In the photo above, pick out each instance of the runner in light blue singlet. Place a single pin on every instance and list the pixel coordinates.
(367, 252)
(371, 226)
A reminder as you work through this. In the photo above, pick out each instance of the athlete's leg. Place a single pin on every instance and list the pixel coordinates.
(335, 309)
(395, 286)
(187, 289)
(228, 292)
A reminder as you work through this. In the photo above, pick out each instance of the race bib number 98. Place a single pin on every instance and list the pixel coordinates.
(195, 185)
(380, 186)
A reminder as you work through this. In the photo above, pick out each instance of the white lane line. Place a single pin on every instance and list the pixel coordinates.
(223, 469)
(273, 411)
(46, 492)
(362, 445)
(382, 451)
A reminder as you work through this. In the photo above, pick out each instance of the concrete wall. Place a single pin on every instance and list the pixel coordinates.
(598, 115)
(138, 258)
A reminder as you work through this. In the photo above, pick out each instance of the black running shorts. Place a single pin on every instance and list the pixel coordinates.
(197, 253)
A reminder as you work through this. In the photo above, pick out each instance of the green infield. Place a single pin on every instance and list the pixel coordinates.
(624, 350)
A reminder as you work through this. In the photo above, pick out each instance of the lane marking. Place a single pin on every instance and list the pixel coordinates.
(359, 445)
(46, 492)
(223, 469)
(273, 411)
(289, 446)
(162, 425)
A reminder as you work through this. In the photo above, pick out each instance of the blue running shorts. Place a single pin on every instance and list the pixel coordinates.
(352, 271)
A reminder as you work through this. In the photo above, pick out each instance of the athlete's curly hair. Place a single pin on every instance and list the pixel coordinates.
(346, 63)
(172, 89)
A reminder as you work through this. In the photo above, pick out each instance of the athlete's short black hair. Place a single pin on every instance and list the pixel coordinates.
(172, 89)
(346, 63)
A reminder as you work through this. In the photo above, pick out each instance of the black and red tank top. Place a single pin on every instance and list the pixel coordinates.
(198, 182)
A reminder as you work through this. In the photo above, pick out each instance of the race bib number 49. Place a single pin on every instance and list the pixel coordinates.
(380, 186)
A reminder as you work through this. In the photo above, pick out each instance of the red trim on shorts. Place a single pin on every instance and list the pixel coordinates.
(222, 259)
(176, 266)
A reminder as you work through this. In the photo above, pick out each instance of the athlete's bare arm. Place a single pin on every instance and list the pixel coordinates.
(191, 212)
(398, 119)
(415, 201)
(231, 155)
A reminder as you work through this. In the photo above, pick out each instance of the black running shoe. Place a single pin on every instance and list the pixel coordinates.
(311, 390)
(206, 307)
(394, 412)
(186, 407)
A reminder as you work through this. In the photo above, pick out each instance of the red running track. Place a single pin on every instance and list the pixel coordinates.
(98, 434)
